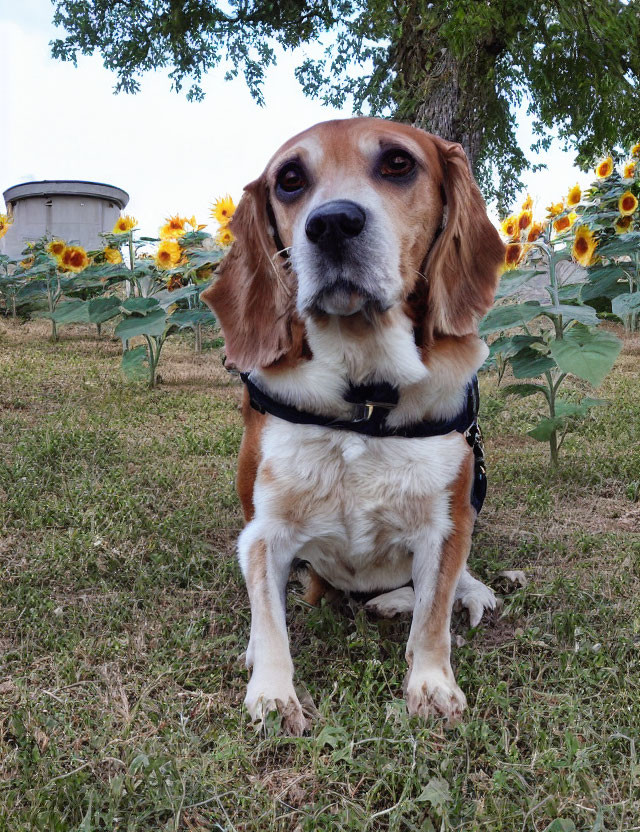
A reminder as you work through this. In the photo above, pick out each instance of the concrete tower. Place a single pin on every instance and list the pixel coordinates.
(72, 210)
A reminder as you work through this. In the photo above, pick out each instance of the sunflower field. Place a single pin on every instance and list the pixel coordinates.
(599, 231)
(151, 284)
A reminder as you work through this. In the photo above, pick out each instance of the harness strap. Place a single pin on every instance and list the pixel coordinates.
(371, 406)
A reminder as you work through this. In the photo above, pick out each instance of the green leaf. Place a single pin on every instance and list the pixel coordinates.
(604, 282)
(625, 304)
(436, 792)
(102, 309)
(529, 363)
(586, 353)
(545, 428)
(192, 317)
(166, 299)
(565, 409)
(505, 317)
(583, 314)
(511, 281)
(570, 291)
(135, 363)
(506, 346)
(70, 312)
(561, 825)
(524, 390)
(140, 306)
(620, 245)
(152, 324)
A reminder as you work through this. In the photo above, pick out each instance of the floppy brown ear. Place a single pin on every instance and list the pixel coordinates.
(462, 267)
(253, 296)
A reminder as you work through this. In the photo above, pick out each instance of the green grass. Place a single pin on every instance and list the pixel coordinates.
(123, 615)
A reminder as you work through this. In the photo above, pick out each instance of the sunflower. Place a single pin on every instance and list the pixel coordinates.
(196, 226)
(574, 196)
(535, 231)
(223, 209)
(56, 248)
(564, 223)
(174, 227)
(224, 237)
(623, 224)
(635, 150)
(168, 255)
(524, 220)
(513, 255)
(510, 227)
(112, 255)
(604, 168)
(629, 169)
(584, 246)
(627, 204)
(554, 209)
(5, 222)
(74, 259)
(124, 224)
(527, 205)
(27, 263)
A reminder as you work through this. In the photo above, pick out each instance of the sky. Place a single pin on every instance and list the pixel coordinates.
(170, 155)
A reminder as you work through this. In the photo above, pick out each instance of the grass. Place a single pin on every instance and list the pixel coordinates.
(123, 615)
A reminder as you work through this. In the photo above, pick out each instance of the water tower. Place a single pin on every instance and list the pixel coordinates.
(69, 209)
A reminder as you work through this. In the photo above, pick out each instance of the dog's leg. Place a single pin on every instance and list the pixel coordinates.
(475, 596)
(265, 561)
(438, 562)
(393, 603)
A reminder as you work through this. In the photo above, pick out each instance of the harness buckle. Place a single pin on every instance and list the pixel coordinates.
(363, 411)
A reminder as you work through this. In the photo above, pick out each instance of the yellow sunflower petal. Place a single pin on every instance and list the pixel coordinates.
(168, 254)
(574, 196)
(112, 255)
(223, 209)
(623, 224)
(584, 246)
(74, 259)
(124, 223)
(604, 168)
(627, 204)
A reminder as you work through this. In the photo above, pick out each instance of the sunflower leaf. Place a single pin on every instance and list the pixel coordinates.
(506, 317)
(625, 304)
(152, 325)
(583, 314)
(586, 353)
(135, 363)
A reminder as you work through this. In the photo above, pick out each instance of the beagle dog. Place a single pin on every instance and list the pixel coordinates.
(363, 261)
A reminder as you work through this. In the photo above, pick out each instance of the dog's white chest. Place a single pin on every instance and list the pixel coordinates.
(356, 503)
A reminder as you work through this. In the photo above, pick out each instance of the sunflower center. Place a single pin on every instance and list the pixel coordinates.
(582, 246)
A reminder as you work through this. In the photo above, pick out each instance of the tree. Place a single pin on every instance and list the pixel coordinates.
(459, 68)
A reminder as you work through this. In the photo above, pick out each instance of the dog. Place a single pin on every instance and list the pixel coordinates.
(349, 301)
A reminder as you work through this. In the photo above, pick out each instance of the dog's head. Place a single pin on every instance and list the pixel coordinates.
(355, 217)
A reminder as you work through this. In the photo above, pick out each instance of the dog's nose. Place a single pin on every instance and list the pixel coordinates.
(334, 222)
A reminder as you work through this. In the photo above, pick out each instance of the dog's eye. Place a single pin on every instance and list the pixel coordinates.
(291, 179)
(396, 164)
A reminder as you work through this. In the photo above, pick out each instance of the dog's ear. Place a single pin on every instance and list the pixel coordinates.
(462, 266)
(254, 294)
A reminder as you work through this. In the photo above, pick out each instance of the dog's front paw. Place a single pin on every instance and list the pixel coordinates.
(266, 694)
(431, 692)
(475, 597)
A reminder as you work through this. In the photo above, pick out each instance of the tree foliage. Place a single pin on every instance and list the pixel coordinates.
(459, 68)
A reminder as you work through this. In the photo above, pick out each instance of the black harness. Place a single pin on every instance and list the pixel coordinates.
(371, 405)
